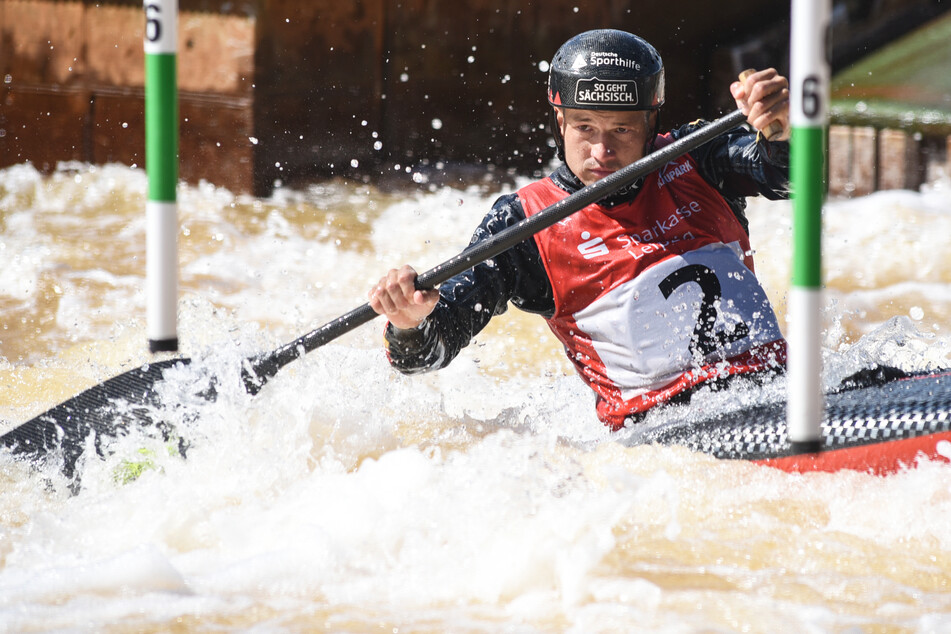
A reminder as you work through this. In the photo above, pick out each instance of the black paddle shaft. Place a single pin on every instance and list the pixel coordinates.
(266, 366)
(106, 409)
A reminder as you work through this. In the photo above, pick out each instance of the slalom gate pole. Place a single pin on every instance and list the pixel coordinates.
(809, 94)
(161, 164)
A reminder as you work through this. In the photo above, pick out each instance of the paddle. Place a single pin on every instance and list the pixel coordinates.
(109, 407)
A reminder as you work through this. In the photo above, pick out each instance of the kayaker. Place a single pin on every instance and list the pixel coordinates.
(652, 290)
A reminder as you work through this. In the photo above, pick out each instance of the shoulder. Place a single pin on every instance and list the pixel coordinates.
(740, 134)
(696, 124)
(506, 211)
(509, 209)
(687, 128)
(742, 142)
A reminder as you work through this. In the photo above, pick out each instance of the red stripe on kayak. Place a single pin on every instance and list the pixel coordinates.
(881, 458)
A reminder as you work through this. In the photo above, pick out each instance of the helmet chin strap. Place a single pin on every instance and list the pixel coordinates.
(556, 132)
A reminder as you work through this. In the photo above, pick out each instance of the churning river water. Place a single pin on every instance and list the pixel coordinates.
(482, 498)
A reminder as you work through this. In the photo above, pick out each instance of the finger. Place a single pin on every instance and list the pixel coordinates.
(738, 90)
(407, 283)
(755, 85)
(380, 302)
(386, 294)
(771, 116)
(766, 102)
(426, 298)
(376, 292)
(765, 111)
(764, 85)
(741, 89)
(769, 94)
(373, 298)
(387, 303)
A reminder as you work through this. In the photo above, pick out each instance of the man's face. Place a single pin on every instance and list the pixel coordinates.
(600, 142)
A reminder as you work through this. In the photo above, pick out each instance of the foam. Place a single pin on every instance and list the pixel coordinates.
(479, 498)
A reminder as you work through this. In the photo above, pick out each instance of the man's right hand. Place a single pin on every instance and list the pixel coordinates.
(397, 298)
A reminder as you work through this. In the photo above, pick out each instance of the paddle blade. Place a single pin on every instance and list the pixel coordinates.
(102, 411)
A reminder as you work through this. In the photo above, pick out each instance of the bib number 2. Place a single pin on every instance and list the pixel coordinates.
(705, 340)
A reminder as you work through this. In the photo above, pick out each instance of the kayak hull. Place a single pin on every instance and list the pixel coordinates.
(877, 428)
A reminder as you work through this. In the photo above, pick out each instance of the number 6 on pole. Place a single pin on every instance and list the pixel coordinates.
(809, 77)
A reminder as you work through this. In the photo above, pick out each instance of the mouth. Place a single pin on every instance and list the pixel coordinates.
(601, 172)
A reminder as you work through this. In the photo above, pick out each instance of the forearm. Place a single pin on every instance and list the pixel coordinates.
(741, 163)
(415, 350)
(755, 166)
(469, 300)
(463, 310)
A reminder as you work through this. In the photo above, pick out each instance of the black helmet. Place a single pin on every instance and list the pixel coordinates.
(606, 69)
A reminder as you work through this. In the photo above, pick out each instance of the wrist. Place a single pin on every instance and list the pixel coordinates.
(408, 325)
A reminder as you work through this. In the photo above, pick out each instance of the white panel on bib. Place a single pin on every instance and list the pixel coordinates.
(672, 316)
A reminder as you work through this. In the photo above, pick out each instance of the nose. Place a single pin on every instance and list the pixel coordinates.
(602, 150)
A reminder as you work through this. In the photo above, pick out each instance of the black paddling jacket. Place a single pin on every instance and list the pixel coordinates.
(738, 164)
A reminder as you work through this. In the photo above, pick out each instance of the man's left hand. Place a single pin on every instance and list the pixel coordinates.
(763, 96)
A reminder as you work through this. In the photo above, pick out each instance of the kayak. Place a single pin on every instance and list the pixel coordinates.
(879, 428)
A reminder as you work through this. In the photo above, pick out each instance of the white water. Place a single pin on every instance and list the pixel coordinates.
(484, 498)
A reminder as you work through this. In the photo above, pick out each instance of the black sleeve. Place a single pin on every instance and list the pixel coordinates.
(469, 300)
(742, 163)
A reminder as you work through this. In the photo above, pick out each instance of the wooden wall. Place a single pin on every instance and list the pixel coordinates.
(283, 90)
(73, 80)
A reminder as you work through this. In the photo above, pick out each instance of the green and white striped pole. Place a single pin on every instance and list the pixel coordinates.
(161, 164)
(809, 91)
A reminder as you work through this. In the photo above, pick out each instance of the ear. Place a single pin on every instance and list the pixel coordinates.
(560, 118)
(653, 117)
